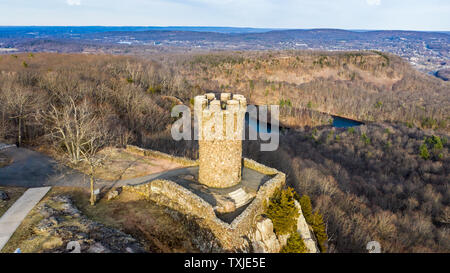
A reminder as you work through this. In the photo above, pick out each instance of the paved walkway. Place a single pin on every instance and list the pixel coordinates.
(32, 169)
(12, 218)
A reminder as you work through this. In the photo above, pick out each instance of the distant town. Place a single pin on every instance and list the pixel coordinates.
(426, 51)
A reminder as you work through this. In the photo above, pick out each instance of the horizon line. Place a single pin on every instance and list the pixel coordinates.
(235, 27)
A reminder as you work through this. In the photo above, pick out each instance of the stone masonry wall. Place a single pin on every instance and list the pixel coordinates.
(220, 126)
(232, 237)
(245, 230)
(219, 163)
(147, 152)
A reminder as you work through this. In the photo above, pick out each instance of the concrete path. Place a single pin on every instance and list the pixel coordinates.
(32, 169)
(12, 218)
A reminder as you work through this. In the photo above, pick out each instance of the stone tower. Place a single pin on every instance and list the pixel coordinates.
(220, 127)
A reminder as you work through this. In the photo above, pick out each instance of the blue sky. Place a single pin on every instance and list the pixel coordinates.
(347, 14)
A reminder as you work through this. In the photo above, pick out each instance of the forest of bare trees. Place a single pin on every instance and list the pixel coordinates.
(368, 86)
(385, 181)
(371, 183)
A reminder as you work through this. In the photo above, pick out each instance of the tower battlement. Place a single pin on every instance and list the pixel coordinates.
(220, 118)
(220, 121)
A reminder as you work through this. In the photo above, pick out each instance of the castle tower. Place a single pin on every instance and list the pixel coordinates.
(220, 128)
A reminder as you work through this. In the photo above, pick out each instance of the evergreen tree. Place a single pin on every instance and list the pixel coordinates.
(315, 220)
(282, 211)
(424, 151)
(294, 244)
(305, 203)
(319, 229)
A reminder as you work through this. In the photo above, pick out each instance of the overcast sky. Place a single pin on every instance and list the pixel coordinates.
(346, 14)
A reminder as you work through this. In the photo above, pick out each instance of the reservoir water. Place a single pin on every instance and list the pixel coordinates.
(340, 122)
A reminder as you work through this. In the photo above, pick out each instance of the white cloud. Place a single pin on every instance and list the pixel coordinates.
(73, 2)
(373, 2)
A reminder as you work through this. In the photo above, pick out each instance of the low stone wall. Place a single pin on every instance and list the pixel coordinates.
(174, 196)
(232, 237)
(248, 163)
(243, 226)
(252, 164)
(147, 152)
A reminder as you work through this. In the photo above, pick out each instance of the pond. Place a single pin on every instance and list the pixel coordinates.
(340, 122)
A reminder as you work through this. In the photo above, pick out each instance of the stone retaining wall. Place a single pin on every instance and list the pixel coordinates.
(148, 152)
(232, 237)
(252, 164)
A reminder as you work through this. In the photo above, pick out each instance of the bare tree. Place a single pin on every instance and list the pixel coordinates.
(96, 141)
(3, 123)
(81, 134)
(70, 126)
(20, 104)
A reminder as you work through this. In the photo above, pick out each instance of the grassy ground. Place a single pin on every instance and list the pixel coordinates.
(14, 193)
(27, 239)
(119, 164)
(142, 219)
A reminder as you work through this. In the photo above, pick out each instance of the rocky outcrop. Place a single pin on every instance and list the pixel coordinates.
(305, 232)
(264, 239)
(64, 223)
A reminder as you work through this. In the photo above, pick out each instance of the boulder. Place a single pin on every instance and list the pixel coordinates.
(46, 211)
(129, 250)
(265, 240)
(112, 194)
(258, 247)
(3, 196)
(98, 248)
